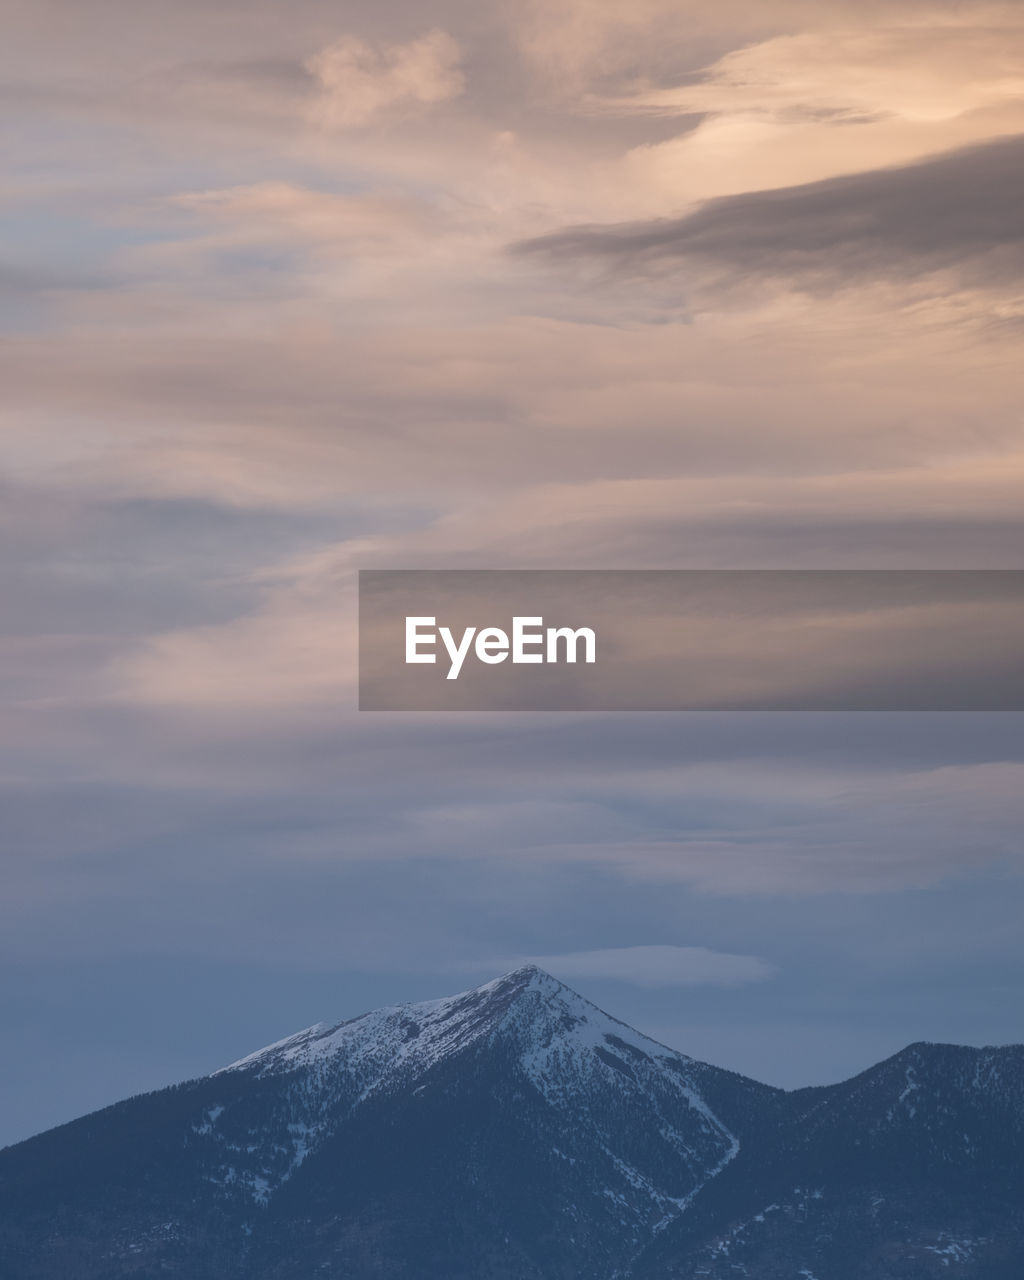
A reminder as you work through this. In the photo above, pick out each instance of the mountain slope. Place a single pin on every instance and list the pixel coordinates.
(517, 1113)
(914, 1169)
(516, 1132)
(590, 1071)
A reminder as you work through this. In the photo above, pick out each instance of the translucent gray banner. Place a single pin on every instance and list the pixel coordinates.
(691, 640)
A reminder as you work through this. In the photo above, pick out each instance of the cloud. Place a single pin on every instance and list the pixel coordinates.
(755, 829)
(831, 100)
(359, 81)
(954, 212)
(367, 223)
(660, 966)
(597, 50)
(916, 70)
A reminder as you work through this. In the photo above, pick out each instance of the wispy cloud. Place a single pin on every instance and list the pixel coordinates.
(359, 81)
(660, 966)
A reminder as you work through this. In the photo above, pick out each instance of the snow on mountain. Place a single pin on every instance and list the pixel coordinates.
(550, 1025)
(516, 1132)
(590, 1071)
(926, 1091)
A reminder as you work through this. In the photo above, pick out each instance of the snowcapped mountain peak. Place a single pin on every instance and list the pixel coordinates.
(524, 978)
(523, 1036)
(524, 974)
(527, 1007)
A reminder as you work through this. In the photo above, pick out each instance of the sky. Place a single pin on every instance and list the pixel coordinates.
(290, 290)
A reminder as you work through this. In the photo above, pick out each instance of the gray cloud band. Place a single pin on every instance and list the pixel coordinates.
(691, 640)
(955, 209)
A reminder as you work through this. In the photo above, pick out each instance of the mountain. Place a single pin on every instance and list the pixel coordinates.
(517, 1132)
(914, 1169)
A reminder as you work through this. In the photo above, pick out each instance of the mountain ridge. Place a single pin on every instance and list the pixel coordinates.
(516, 1131)
(496, 996)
